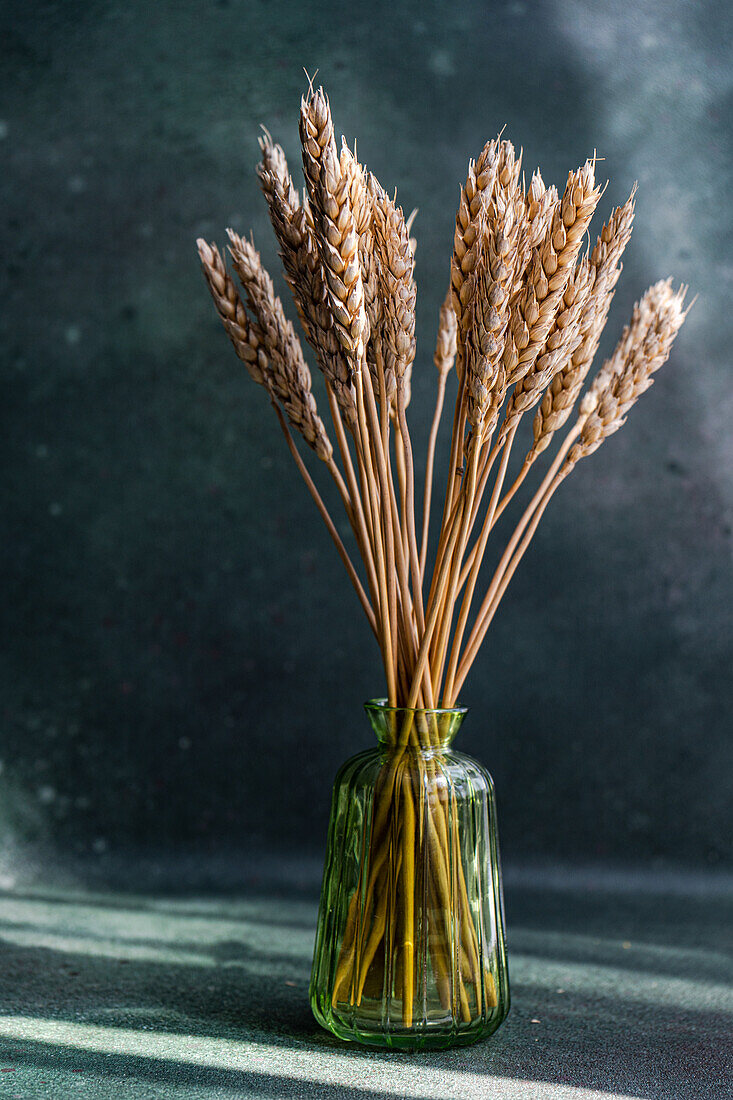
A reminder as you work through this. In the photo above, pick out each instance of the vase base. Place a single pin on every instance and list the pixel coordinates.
(425, 1037)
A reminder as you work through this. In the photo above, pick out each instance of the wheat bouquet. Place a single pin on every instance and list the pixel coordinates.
(518, 331)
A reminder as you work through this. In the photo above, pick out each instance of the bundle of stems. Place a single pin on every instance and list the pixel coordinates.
(518, 331)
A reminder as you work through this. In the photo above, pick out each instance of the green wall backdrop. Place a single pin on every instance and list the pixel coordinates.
(183, 661)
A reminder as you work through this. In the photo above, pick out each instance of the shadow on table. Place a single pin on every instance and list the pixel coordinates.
(232, 973)
(240, 1083)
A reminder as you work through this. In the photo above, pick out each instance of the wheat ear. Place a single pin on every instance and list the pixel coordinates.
(494, 277)
(562, 340)
(295, 232)
(558, 401)
(549, 271)
(290, 378)
(473, 203)
(643, 348)
(246, 337)
(329, 191)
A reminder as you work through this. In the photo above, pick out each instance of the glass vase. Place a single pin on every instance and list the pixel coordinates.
(410, 948)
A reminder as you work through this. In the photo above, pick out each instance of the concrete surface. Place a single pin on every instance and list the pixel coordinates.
(621, 989)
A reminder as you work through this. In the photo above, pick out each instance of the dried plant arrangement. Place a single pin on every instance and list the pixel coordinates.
(518, 332)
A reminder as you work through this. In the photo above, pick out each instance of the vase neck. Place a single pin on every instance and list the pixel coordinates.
(414, 729)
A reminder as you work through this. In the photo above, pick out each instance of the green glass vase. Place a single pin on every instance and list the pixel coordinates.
(410, 948)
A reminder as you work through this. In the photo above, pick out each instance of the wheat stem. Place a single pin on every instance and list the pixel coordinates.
(358, 519)
(428, 490)
(386, 518)
(325, 515)
(479, 629)
(402, 486)
(451, 508)
(410, 509)
(378, 545)
(444, 357)
(448, 689)
(505, 577)
(448, 597)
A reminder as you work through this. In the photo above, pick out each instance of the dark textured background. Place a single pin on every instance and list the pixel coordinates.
(183, 660)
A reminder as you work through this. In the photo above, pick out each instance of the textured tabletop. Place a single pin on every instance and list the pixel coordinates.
(621, 988)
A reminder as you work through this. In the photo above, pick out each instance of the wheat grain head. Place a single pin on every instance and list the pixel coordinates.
(288, 376)
(558, 401)
(643, 348)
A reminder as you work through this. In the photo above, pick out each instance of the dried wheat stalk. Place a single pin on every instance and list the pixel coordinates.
(444, 357)
(521, 322)
(329, 184)
(294, 229)
(643, 348)
(475, 197)
(605, 268)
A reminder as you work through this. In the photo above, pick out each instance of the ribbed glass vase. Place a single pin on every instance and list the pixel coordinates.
(410, 946)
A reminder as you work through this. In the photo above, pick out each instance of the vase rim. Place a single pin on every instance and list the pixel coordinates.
(383, 706)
